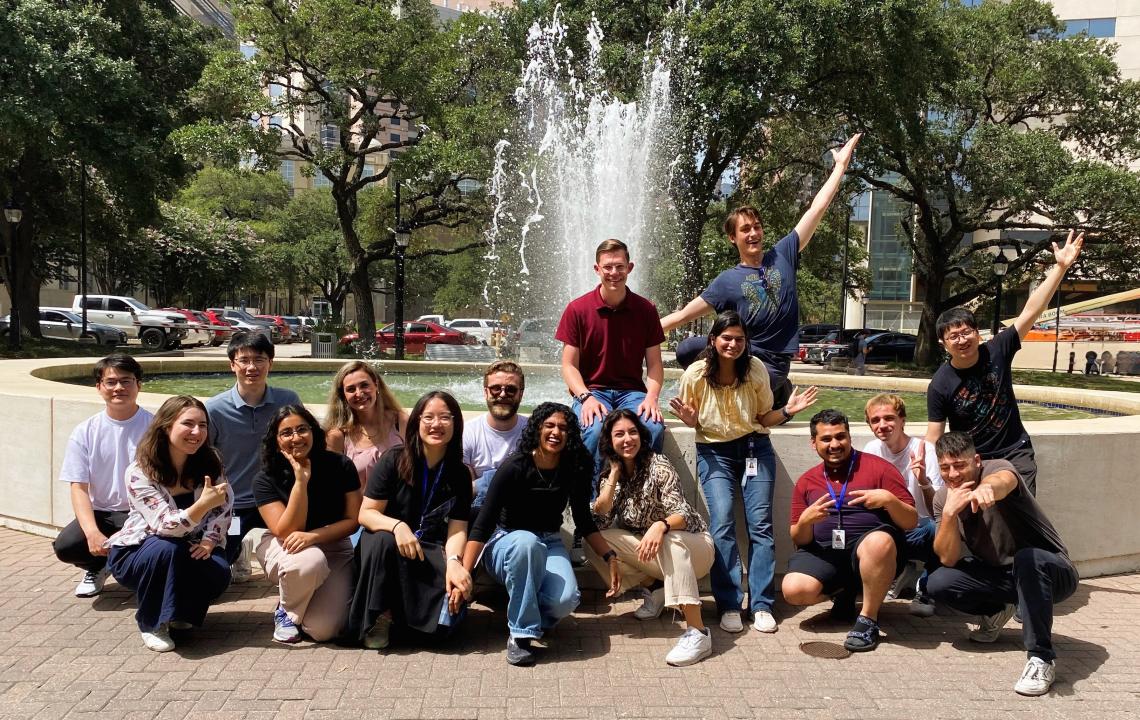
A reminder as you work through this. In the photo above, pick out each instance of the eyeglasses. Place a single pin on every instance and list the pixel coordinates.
(299, 431)
(507, 390)
(245, 362)
(430, 420)
(124, 383)
(959, 336)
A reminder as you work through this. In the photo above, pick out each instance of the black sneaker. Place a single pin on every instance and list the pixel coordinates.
(519, 652)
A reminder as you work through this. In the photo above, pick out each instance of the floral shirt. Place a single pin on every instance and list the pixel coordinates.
(154, 512)
(654, 494)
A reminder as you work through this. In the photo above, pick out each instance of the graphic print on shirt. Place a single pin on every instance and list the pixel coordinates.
(979, 402)
(762, 291)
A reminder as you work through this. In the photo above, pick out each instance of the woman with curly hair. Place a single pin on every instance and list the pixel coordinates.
(658, 537)
(726, 397)
(309, 498)
(171, 550)
(517, 531)
(364, 419)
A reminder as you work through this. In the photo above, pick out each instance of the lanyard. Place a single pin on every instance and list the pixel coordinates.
(842, 491)
(427, 497)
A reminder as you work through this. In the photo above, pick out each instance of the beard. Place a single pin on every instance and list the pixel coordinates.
(503, 410)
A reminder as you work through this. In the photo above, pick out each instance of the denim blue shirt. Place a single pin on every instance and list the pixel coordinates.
(237, 430)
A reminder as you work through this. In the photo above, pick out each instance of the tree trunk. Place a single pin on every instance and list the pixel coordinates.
(28, 300)
(928, 351)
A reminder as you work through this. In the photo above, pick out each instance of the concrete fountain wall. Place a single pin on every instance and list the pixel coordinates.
(1086, 482)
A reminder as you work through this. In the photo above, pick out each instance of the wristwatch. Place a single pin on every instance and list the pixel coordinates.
(583, 397)
(456, 558)
(609, 555)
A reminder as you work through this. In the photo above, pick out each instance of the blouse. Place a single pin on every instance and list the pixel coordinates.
(653, 494)
(729, 412)
(365, 458)
(153, 511)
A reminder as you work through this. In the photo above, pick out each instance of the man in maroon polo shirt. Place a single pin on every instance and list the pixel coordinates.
(607, 334)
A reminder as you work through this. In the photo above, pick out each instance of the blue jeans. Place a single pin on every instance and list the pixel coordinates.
(920, 547)
(720, 467)
(617, 400)
(167, 582)
(539, 578)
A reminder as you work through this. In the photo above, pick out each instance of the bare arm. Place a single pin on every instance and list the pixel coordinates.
(934, 430)
(571, 375)
(805, 228)
(1039, 298)
(947, 541)
(696, 308)
(334, 440)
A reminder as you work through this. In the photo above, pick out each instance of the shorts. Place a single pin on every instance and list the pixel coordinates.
(838, 570)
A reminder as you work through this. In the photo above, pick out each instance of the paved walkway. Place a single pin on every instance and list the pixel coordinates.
(65, 657)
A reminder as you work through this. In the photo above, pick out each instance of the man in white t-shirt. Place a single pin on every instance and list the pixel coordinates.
(489, 439)
(916, 460)
(98, 453)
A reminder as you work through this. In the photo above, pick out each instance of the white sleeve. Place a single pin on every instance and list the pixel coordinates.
(77, 458)
(933, 474)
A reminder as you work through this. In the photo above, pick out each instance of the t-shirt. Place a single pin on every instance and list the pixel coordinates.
(429, 502)
(765, 297)
(332, 477)
(485, 448)
(521, 497)
(727, 413)
(867, 472)
(611, 341)
(98, 454)
(901, 461)
(236, 431)
(979, 400)
(1015, 522)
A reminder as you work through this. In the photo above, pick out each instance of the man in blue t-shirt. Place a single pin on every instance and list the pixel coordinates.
(762, 288)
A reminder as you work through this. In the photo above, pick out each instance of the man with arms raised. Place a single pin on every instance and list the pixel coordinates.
(490, 438)
(999, 553)
(98, 452)
(849, 517)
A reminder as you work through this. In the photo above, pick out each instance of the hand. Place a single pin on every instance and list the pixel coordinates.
(407, 542)
(455, 600)
(684, 412)
(1067, 255)
(302, 468)
(648, 410)
(818, 510)
(202, 550)
(651, 542)
(917, 465)
(298, 540)
(797, 402)
(213, 495)
(615, 579)
(457, 582)
(871, 499)
(95, 540)
(591, 410)
(957, 499)
(843, 155)
(982, 498)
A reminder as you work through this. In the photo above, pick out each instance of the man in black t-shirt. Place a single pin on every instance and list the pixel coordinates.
(974, 391)
(1000, 553)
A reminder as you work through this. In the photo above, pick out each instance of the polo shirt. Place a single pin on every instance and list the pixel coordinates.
(611, 341)
(237, 431)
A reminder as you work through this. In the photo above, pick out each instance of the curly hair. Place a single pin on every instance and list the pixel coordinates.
(153, 451)
(606, 443)
(574, 452)
(725, 320)
(272, 461)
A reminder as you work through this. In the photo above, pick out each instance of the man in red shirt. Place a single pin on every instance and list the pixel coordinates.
(607, 334)
(849, 519)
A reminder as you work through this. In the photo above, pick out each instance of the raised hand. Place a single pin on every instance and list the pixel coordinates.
(957, 499)
(798, 402)
(213, 495)
(1067, 255)
(818, 510)
(843, 155)
(917, 465)
(685, 413)
(982, 498)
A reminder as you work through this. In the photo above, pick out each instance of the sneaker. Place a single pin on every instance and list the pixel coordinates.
(180, 625)
(158, 639)
(694, 646)
(922, 605)
(990, 627)
(652, 604)
(92, 583)
(519, 652)
(906, 582)
(1036, 678)
(763, 621)
(284, 629)
(379, 635)
(730, 622)
(242, 569)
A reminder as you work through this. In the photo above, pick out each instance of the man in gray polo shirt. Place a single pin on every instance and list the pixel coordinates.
(238, 421)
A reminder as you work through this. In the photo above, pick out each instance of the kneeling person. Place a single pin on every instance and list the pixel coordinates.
(1000, 554)
(849, 519)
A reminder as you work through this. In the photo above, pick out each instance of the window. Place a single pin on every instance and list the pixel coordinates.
(276, 90)
(54, 316)
(394, 122)
(288, 172)
(1093, 27)
(321, 181)
(116, 305)
(889, 260)
(394, 137)
(463, 323)
(93, 303)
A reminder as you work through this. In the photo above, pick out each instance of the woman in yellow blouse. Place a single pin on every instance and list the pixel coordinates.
(725, 396)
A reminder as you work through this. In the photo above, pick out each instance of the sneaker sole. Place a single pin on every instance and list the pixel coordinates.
(1032, 693)
(691, 661)
(89, 594)
(290, 640)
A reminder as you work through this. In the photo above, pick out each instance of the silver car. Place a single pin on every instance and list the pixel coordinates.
(62, 324)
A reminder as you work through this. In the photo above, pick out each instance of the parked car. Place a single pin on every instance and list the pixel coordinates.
(834, 342)
(156, 329)
(816, 332)
(62, 324)
(219, 328)
(242, 320)
(283, 328)
(479, 327)
(437, 319)
(891, 347)
(301, 331)
(539, 333)
(198, 332)
(417, 336)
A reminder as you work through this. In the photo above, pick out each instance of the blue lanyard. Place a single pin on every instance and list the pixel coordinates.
(842, 491)
(427, 497)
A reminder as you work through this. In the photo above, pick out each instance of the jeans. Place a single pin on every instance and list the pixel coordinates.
(539, 578)
(617, 400)
(920, 547)
(720, 467)
(167, 582)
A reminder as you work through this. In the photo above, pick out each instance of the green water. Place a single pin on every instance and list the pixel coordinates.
(314, 390)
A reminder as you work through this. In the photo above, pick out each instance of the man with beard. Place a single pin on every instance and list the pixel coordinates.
(489, 439)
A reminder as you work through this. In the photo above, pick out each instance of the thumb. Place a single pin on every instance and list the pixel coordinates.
(209, 481)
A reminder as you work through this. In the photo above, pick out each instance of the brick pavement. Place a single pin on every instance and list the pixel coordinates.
(66, 657)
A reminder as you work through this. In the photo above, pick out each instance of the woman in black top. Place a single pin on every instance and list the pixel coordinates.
(520, 522)
(416, 505)
(309, 497)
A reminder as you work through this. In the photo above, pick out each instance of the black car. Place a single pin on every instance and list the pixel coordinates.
(837, 343)
(891, 347)
(816, 332)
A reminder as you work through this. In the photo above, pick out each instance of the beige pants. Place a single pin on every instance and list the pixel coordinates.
(684, 558)
(314, 584)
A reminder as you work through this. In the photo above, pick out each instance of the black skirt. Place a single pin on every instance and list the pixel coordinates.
(412, 590)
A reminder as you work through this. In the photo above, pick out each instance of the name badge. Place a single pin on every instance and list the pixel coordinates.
(235, 526)
(751, 467)
(838, 539)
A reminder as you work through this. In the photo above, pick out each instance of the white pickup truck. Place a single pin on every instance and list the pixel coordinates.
(156, 329)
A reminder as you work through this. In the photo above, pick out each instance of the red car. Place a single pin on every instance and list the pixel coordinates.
(286, 331)
(417, 336)
(199, 331)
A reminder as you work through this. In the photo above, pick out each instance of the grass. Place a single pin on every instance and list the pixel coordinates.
(1034, 377)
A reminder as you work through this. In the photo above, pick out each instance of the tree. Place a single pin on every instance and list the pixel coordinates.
(310, 244)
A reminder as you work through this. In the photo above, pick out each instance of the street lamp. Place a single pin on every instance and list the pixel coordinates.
(1003, 256)
(13, 214)
(402, 240)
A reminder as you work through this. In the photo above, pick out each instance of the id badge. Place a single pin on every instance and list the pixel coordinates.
(838, 539)
(751, 467)
(235, 526)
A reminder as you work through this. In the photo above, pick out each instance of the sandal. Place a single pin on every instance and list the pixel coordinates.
(864, 637)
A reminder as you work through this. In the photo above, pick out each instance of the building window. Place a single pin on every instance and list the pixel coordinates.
(1093, 27)
(394, 122)
(861, 207)
(394, 137)
(330, 136)
(288, 172)
(276, 90)
(319, 180)
(369, 171)
(890, 257)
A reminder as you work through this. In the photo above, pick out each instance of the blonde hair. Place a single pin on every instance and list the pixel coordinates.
(891, 399)
(339, 415)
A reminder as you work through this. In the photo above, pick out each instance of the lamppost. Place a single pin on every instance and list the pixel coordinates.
(13, 214)
(1003, 256)
(402, 239)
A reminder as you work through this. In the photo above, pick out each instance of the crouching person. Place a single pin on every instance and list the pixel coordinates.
(309, 498)
(171, 550)
(849, 518)
(1000, 554)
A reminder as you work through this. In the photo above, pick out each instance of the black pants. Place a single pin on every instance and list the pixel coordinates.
(1037, 580)
(250, 519)
(1024, 461)
(71, 544)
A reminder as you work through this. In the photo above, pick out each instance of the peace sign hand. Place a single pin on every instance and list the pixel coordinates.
(918, 463)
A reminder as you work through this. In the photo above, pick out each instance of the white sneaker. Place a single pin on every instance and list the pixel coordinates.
(694, 646)
(92, 583)
(158, 639)
(242, 569)
(763, 621)
(989, 629)
(652, 604)
(730, 622)
(1036, 678)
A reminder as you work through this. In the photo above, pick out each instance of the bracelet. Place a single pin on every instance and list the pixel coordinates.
(667, 528)
(397, 525)
(785, 413)
(583, 397)
(456, 558)
(609, 555)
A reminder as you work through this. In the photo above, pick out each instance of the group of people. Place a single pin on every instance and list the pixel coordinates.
(377, 521)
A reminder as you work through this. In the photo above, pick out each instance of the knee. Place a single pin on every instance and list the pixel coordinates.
(1027, 559)
(523, 549)
(310, 564)
(877, 549)
(566, 602)
(800, 589)
(939, 584)
(322, 628)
